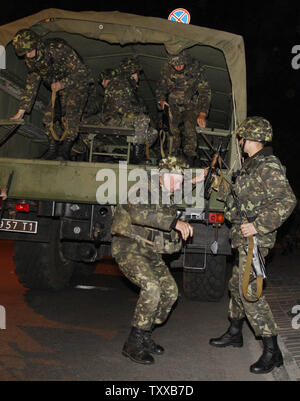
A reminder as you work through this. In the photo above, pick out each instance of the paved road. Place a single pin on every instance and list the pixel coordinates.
(77, 334)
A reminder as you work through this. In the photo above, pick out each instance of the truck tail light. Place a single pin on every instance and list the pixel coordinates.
(216, 218)
(22, 207)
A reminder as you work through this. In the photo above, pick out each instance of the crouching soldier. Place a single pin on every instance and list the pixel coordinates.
(142, 233)
(122, 106)
(61, 69)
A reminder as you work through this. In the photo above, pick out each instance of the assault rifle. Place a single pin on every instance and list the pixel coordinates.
(209, 179)
(254, 257)
(165, 132)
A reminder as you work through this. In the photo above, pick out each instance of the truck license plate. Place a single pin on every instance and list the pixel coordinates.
(21, 226)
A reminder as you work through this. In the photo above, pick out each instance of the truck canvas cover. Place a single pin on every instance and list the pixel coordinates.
(103, 39)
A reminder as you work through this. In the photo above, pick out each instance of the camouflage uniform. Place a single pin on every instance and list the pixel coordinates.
(268, 200)
(142, 233)
(122, 105)
(140, 263)
(188, 94)
(56, 61)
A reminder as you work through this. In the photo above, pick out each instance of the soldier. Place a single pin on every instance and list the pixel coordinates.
(184, 88)
(123, 107)
(268, 200)
(62, 70)
(141, 234)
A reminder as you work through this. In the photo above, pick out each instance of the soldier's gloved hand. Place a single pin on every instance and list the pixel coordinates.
(163, 104)
(201, 120)
(19, 115)
(185, 229)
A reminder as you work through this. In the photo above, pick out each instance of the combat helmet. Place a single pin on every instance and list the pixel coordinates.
(255, 129)
(130, 65)
(178, 59)
(24, 41)
(108, 73)
(174, 164)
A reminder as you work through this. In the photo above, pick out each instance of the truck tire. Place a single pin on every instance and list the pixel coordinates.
(207, 285)
(84, 269)
(40, 265)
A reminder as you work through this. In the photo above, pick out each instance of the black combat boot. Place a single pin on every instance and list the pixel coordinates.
(150, 345)
(271, 356)
(51, 153)
(139, 154)
(190, 160)
(135, 349)
(64, 151)
(233, 335)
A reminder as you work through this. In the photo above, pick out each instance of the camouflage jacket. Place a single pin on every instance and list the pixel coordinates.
(189, 87)
(120, 98)
(146, 219)
(265, 195)
(55, 61)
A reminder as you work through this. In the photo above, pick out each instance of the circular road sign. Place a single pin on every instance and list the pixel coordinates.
(180, 15)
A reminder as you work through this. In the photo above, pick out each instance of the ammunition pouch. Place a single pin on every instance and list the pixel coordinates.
(165, 242)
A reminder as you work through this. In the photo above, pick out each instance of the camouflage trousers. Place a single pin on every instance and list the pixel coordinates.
(258, 313)
(179, 115)
(72, 102)
(140, 122)
(147, 270)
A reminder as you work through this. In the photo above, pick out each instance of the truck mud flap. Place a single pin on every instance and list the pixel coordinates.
(195, 261)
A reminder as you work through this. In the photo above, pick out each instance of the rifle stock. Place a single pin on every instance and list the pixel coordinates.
(254, 257)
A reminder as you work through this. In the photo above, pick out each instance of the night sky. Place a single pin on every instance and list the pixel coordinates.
(270, 30)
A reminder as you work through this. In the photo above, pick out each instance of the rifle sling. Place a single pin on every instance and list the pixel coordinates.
(246, 278)
(51, 128)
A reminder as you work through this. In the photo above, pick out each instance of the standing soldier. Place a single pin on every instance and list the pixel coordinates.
(62, 70)
(267, 200)
(142, 233)
(184, 88)
(123, 107)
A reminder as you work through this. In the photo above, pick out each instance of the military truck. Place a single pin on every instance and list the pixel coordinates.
(53, 215)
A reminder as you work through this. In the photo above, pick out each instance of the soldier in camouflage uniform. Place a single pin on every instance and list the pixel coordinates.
(61, 69)
(123, 107)
(141, 234)
(184, 88)
(268, 200)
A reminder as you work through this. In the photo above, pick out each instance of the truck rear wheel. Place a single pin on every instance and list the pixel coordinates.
(40, 265)
(208, 284)
(84, 269)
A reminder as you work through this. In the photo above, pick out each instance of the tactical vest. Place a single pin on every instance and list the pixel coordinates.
(159, 241)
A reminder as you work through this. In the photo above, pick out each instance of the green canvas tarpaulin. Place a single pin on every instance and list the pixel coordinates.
(122, 29)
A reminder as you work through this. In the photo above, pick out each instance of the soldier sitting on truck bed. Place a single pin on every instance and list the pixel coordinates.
(123, 107)
(63, 71)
